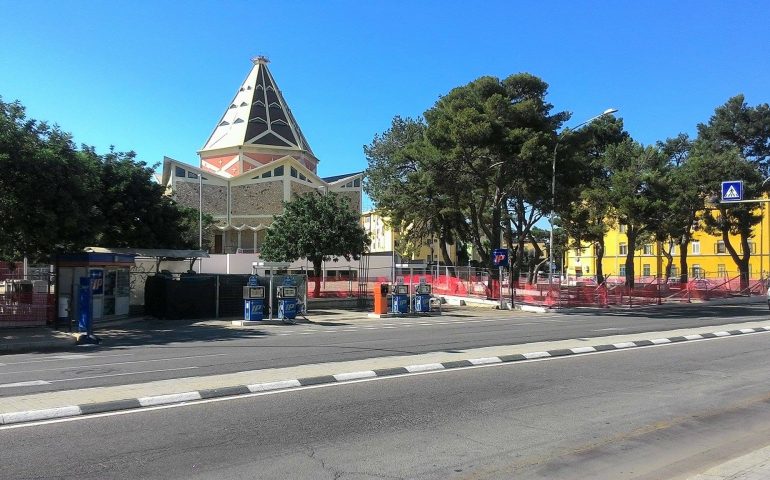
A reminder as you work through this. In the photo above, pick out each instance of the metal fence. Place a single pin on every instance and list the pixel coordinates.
(26, 295)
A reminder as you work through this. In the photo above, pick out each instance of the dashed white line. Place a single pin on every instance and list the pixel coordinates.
(31, 383)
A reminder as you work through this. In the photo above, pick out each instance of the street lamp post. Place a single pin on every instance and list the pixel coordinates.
(609, 111)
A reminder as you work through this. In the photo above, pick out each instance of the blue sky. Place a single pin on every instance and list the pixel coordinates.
(155, 76)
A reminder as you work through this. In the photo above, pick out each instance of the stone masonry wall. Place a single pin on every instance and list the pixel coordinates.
(214, 197)
(300, 189)
(263, 198)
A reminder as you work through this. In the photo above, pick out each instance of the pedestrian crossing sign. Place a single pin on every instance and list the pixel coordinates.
(732, 191)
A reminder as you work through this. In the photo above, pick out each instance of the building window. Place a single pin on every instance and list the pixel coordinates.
(696, 248)
(646, 270)
(623, 249)
(357, 182)
(278, 171)
(180, 172)
(648, 249)
(752, 248)
(721, 271)
(622, 272)
(696, 271)
(673, 249)
(674, 271)
(302, 177)
(293, 172)
(192, 175)
(719, 247)
(622, 228)
(267, 174)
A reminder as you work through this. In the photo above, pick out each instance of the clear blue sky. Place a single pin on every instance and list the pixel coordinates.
(155, 76)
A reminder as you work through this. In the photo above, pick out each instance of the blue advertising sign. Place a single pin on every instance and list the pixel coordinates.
(732, 191)
(253, 282)
(84, 305)
(500, 257)
(97, 281)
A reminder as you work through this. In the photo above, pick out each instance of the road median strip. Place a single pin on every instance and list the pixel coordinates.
(237, 390)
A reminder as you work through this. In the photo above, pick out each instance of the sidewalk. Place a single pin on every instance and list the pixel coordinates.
(753, 466)
(34, 340)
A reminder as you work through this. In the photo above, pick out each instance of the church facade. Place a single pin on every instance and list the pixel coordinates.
(255, 159)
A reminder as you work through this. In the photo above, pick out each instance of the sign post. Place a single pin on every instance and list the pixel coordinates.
(500, 260)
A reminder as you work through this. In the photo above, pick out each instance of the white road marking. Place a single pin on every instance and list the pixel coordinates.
(660, 341)
(116, 363)
(624, 345)
(58, 358)
(722, 334)
(341, 377)
(746, 330)
(31, 383)
(120, 374)
(608, 329)
(693, 337)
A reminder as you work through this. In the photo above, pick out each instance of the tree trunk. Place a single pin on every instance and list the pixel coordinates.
(318, 274)
(630, 258)
(742, 262)
(683, 276)
(599, 248)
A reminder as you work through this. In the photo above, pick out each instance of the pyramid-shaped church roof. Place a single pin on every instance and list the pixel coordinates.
(258, 116)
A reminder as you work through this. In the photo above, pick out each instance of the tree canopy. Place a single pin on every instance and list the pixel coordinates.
(317, 227)
(55, 197)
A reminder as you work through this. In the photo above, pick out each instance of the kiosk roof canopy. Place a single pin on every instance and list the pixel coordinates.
(151, 252)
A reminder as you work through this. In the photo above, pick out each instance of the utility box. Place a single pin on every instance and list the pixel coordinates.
(381, 292)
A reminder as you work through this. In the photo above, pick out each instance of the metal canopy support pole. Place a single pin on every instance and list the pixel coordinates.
(271, 295)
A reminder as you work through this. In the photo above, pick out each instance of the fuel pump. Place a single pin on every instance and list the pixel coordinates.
(253, 300)
(400, 299)
(422, 296)
(287, 301)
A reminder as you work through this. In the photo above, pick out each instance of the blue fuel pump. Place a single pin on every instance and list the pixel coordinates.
(253, 300)
(287, 302)
(400, 299)
(422, 298)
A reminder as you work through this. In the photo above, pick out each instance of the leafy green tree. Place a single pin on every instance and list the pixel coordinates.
(190, 227)
(47, 189)
(317, 227)
(495, 137)
(736, 125)
(406, 181)
(686, 202)
(724, 219)
(638, 193)
(734, 144)
(586, 211)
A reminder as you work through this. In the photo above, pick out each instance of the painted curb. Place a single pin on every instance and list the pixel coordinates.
(178, 398)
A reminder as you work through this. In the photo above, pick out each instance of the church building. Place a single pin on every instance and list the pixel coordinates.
(255, 159)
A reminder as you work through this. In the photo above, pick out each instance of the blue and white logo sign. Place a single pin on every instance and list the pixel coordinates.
(732, 191)
(500, 257)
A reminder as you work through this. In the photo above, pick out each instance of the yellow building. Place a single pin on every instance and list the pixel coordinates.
(384, 240)
(707, 256)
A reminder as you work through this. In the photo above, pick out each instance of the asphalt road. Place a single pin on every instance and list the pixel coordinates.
(650, 413)
(164, 350)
